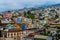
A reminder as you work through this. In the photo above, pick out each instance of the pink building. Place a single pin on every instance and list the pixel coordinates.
(7, 15)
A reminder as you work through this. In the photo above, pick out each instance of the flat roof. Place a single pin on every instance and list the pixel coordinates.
(40, 36)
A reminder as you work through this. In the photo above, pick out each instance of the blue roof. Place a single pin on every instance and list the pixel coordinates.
(9, 27)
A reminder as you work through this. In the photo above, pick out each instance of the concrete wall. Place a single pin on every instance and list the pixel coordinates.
(9, 38)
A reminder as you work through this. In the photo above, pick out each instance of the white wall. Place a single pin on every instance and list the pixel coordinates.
(9, 38)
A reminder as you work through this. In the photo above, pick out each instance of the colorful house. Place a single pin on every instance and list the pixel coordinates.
(9, 26)
(4, 20)
(19, 19)
(17, 26)
(29, 26)
(7, 15)
(23, 26)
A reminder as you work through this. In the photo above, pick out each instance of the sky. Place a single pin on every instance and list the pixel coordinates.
(19, 4)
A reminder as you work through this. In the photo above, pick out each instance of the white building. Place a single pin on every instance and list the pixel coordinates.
(9, 38)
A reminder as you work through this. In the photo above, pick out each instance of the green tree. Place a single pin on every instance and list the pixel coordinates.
(25, 14)
(31, 16)
(29, 12)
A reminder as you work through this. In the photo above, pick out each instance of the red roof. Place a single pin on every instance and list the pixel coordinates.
(17, 30)
(14, 30)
